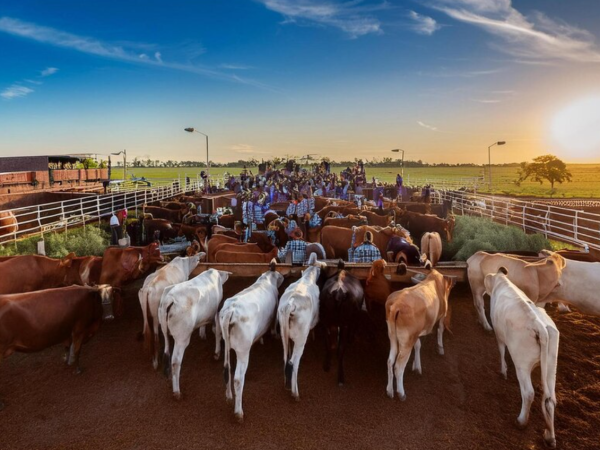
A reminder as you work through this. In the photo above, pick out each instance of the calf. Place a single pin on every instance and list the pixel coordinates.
(377, 287)
(298, 313)
(341, 301)
(184, 308)
(244, 319)
(537, 279)
(177, 271)
(431, 247)
(411, 313)
(532, 340)
(33, 321)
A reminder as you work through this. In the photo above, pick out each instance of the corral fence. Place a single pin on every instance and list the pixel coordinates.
(570, 225)
(88, 207)
(470, 183)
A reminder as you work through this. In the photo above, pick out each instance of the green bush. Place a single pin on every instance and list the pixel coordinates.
(473, 234)
(87, 241)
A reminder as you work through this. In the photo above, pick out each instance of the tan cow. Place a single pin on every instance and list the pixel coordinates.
(411, 313)
(431, 247)
(536, 279)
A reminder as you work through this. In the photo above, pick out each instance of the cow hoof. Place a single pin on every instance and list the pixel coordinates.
(390, 394)
(239, 418)
(549, 440)
(440, 351)
(504, 375)
(217, 356)
(228, 400)
(177, 395)
(340, 384)
(78, 371)
(488, 328)
(519, 425)
(402, 397)
(296, 397)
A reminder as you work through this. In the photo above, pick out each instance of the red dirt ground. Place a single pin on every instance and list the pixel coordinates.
(460, 401)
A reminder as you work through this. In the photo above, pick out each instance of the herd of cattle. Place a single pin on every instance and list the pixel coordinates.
(396, 228)
(45, 302)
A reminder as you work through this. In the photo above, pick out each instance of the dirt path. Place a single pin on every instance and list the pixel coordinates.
(460, 401)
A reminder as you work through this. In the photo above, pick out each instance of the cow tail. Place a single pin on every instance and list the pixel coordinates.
(286, 316)
(163, 317)
(548, 337)
(225, 329)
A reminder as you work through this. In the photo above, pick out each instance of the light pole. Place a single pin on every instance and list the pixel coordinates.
(396, 150)
(124, 152)
(193, 130)
(490, 161)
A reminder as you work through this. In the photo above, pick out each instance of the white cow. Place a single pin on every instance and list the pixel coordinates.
(298, 313)
(532, 340)
(184, 308)
(177, 271)
(244, 319)
(579, 286)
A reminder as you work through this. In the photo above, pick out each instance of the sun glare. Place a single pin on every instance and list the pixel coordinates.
(576, 129)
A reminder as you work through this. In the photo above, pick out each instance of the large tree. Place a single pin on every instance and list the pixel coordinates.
(546, 167)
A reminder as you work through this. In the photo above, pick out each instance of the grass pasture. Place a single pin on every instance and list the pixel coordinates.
(585, 184)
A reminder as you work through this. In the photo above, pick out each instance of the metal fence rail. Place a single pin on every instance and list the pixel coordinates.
(472, 183)
(40, 219)
(570, 225)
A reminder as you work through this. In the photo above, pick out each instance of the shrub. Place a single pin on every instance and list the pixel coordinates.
(473, 234)
(85, 241)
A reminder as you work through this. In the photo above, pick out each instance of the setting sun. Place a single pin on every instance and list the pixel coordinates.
(576, 129)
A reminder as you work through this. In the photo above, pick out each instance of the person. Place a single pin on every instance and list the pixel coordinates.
(248, 214)
(366, 252)
(302, 210)
(380, 202)
(115, 229)
(296, 247)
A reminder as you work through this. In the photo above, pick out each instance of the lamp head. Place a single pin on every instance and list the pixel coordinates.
(189, 130)
(396, 150)
(501, 142)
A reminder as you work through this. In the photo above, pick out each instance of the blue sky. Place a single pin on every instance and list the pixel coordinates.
(441, 79)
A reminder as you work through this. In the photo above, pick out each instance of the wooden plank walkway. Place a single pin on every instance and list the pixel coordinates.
(456, 269)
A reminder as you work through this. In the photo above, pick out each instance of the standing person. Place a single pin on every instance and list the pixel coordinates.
(301, 212)
(115, 229)
(248, 214)
(380, 202)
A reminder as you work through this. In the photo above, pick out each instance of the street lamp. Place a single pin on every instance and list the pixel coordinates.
(193, 130)
(396, 150)
(490, 161)
(124, 152)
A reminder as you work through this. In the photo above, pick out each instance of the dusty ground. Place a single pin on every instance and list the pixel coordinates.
(460, 401)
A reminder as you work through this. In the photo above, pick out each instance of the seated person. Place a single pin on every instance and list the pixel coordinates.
(296, 246)
(366, 252)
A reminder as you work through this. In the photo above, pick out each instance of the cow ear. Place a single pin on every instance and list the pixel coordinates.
(67, 261)
(488, 282)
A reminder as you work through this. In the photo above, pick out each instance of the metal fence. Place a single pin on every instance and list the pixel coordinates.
(570, 225)
(40, 219)
(471, 183)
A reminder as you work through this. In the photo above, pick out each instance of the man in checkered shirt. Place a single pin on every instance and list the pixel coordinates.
(367, 252)
(296, 246)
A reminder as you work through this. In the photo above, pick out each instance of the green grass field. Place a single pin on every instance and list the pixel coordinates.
(586, 178)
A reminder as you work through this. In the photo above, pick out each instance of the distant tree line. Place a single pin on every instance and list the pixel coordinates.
(253, 162)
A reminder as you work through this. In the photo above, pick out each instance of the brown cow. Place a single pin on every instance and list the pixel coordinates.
(346, 222)
(163, 226)
(121, 265)
(34, 272)
(419, 224)
(33, 321)
(344, 210)
(223, 256)
(214, 242)
(227, 220)
(376, 219)
(164, 213)
(175, 206)
(88, 268)
(337, 240)
(377, 287)
(411, 313)
(8, 223)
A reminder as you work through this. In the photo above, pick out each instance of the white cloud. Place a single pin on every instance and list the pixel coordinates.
(536, 37)
(429, 127)
(444, 73)
(235, 67)
(15, 91)
(423, 24)
(485, 100)
(143, 56)
(48, 71)
(351, 17)
(246, 149)
(91, 46)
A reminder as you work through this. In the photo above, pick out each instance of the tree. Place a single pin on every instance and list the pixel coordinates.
(546, 167)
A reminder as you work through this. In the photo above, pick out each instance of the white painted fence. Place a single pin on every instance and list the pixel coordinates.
(40, 219)
(570, 225)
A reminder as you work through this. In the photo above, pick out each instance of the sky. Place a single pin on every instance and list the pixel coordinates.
(440, 79)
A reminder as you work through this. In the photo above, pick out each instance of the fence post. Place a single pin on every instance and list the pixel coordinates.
(98, 208)
(576, 226)
(523, 217)
(82, 214)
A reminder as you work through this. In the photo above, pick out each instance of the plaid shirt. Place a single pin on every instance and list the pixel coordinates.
(291, 209)
(302, 208)
(298, 249)
(311, 204)
(364, 253)
(315, 221)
